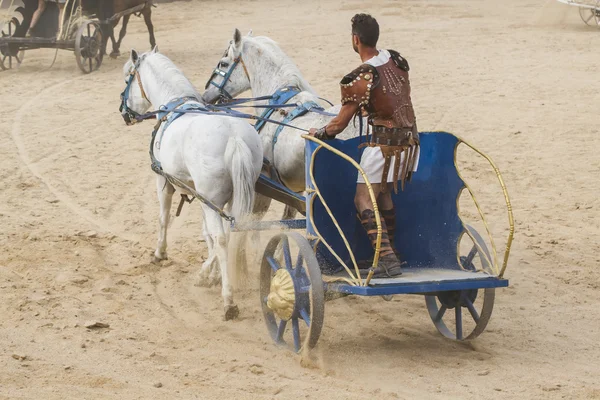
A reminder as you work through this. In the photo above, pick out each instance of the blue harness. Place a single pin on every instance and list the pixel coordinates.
(279, 98)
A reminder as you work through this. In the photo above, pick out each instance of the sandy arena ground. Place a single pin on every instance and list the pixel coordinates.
(78, 217)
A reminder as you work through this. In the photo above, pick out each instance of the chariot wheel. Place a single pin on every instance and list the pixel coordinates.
(446, 308)
(291, 292)
(88, 46)
(10, 55)
(587, 15)
(590, 16)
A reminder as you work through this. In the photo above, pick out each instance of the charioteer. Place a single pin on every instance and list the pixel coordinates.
(380, 90)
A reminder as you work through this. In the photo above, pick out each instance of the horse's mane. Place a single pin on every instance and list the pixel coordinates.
(162, 66)
(271, 49)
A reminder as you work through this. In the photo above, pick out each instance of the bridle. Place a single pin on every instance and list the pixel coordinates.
(130, 115)
(226, 76)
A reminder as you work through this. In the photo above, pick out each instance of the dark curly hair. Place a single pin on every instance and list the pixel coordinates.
(366, 28)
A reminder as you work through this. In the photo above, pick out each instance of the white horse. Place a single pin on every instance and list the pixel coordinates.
(218, 156)
(260, 65)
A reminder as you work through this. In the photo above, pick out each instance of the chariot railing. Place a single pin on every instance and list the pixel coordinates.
(313, 192)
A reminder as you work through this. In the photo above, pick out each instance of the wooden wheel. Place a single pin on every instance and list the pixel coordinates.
(478, 302)
(88, 46)
(291, 291)
(10, 55)
(590, 16)
(587, 15)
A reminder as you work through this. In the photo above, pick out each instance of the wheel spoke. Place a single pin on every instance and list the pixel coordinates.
(305, 316)
(281, 330)
(440, 314)
(296, 332)
(273, 264)
(304, 289)
(299, 262)
(471, 309)
(589, 18)
(287, 256)
(459, 332)
(470, 257)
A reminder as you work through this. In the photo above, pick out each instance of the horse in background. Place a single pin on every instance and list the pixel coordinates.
(122, 5)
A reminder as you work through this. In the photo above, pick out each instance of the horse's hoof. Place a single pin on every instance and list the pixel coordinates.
(231, 312)
(157, 256)
(202, 280)
(158, 260)
(115, 54)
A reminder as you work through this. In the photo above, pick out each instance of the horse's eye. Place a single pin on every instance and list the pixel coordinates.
(224, 64)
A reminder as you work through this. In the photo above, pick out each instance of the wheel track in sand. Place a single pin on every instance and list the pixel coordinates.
(33, 167)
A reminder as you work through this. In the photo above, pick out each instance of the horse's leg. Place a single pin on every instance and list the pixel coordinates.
(111, 34)
(117, 44)
(289, 213)
(214, 225)
(147, 13)
(165, 198)
(206, 274)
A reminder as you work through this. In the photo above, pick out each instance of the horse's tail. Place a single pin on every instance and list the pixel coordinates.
(239, 159)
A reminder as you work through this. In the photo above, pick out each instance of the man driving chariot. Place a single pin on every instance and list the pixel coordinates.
(380, 90)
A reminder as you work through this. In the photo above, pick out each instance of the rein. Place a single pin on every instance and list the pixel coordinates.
(226, 76)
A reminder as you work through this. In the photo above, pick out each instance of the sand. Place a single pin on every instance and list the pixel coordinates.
(78, 217)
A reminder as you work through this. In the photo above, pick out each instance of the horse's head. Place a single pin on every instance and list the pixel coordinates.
(134, 101)
(230, 77)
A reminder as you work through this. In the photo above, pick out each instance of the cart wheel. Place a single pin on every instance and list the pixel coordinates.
(479, 306)
(485, 259)
(88, 46)
(10, 56)
(587, 15)
(292, 290)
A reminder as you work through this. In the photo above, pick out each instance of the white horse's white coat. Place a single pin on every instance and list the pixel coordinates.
(269, 69)
(220, 157)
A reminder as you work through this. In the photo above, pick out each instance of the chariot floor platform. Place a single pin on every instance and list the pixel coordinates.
(420, 280)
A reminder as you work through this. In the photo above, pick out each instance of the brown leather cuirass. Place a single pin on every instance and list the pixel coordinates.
(390, 104)
(383, 94)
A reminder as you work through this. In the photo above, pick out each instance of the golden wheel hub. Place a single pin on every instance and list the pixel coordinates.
(282, 296)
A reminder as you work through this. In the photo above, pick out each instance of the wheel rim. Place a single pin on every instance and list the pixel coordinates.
(587, 15)
(291, 292)
(479, 308)
(452, 324)
(88, 47)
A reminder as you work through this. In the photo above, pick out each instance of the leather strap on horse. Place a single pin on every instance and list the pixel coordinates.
(184, 199)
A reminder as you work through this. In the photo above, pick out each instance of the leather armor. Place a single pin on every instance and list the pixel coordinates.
(383, 94)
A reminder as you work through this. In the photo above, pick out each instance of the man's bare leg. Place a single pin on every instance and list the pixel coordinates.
(36, 15)
(388, 265)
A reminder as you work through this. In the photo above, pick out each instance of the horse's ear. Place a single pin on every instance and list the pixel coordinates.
(237, 39)
(155, 49)
(249, 33)
(134, 56)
